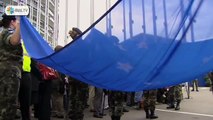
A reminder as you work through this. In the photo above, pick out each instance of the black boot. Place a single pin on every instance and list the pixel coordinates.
(117, 117)
(139, 106)
(125, 110)
(178, 105)
(171, 102)
(147, 113)
(152, 115)
(113, 117)
(171, 106)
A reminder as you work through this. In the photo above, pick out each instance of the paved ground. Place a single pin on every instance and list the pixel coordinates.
(198, 107)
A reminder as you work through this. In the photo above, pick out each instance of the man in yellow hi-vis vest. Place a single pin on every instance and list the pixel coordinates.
(25, 86)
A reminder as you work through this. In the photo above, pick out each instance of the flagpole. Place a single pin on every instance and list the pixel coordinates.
(144, 17)
(192, 33)
(182, 15)
(110, 21)
(124, 19)
(165, 19)
(92, 12)
(192, 28)
(107, 17)
(154, 18)
(130, 19)
(66, 22)
(78, 13)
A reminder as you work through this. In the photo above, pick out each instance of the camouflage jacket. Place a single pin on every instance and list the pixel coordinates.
(10, 56)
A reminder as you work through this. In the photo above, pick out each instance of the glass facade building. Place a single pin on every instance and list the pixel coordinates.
(43, 15)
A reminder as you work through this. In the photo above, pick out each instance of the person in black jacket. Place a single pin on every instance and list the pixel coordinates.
(36, 78)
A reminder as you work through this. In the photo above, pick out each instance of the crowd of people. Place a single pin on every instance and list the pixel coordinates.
(37, 89)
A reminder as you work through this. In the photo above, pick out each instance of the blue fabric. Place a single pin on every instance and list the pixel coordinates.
(129, 57)
(36, 46)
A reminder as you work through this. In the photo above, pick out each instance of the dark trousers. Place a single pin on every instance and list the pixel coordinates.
(34, 102)
(98, 101)
(195, 82)
(25, 95)
(45, 90)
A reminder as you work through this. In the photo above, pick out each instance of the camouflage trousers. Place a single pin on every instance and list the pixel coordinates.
(77, 97)
(9, 86)
(149, 99)
(57, 99)
(175, 93)
(116, 100)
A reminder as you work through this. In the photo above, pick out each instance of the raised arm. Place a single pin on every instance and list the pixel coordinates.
(16, 37)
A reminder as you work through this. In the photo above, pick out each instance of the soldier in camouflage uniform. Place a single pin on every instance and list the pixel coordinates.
(116, 100)
(150, 97)
(10, 66)
(78, 90)
(77, 96)
(58, 93)
(175, 95)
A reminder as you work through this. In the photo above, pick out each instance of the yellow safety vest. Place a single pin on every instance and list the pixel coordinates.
(26, 60)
